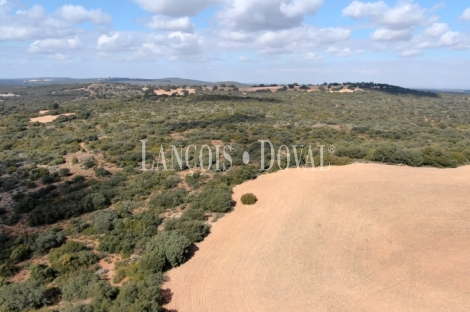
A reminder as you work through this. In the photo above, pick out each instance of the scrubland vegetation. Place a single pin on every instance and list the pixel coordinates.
(248, 199)
(59, 219)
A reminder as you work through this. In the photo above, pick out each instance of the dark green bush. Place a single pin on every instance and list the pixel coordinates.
(50, 239)
(77, 287)
(22, 296)
(71, 257)
(215, 200)
(144, 295)
(164, 251)
(42, 273)
(458, 157)
(64, 172)
(76, 226)
(7, 269)
(20, 253)
(103, 221)
(437, 158)
(194, 230)
(168, 199)
(249, 199)
(90, 162)
(393, 154)
(101, 172)
(351, 152)
(172, 181)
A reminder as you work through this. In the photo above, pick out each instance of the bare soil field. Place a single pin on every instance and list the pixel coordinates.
(8, 95)
(45, 119)
(363, 237)
(179, 91)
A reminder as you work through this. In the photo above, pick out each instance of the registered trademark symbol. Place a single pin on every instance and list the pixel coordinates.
(331, 149)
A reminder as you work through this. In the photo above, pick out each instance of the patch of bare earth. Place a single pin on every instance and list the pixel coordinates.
(254, 89)
(45, 119)
(109, 264)
(363, 237)
(178, 91)
(20, 277)
(81, 156)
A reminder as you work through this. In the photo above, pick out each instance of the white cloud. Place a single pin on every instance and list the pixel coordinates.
(172, 24)
(149, 48)
(299, 7)
(358, 9)
(331, 35)
(243, 58)
(301, 39)
(383, 34)
(77, 14)
(465, 15)
(35, 13)
(436, 29)
(339, 52)
(266, 14)
(379, 47)
(175, 8)
(311, 57)
(104, 40)
(35, 24)
(184, 43)
(404, 15)
(60, 56)
(119, 42)
(411, 53)
(452, 39)
(304, 35)
(239, 36)
(52, 45)
(141, 46)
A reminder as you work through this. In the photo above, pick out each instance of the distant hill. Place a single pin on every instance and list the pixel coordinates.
(130, 80)
(188, 82)
(237, 84)
(448, 91)
(138, 81)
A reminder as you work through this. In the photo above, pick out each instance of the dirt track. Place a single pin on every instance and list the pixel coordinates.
(357, 238)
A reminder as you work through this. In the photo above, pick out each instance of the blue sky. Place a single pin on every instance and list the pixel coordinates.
(423, 44)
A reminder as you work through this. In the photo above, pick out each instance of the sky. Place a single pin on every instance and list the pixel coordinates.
(418, 44)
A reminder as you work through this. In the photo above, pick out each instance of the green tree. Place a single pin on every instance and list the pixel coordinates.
(248, 199)
(23, 296)
(42, 273)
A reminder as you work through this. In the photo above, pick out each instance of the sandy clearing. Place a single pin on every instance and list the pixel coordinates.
(254, 89)
(179, 91)
(42, 112)
(82, 156)
(363, 237)
(8, 95)
(45, 119)
(20, 277)
(109, 264)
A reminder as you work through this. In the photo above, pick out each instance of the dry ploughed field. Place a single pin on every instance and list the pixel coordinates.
(363, 237)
